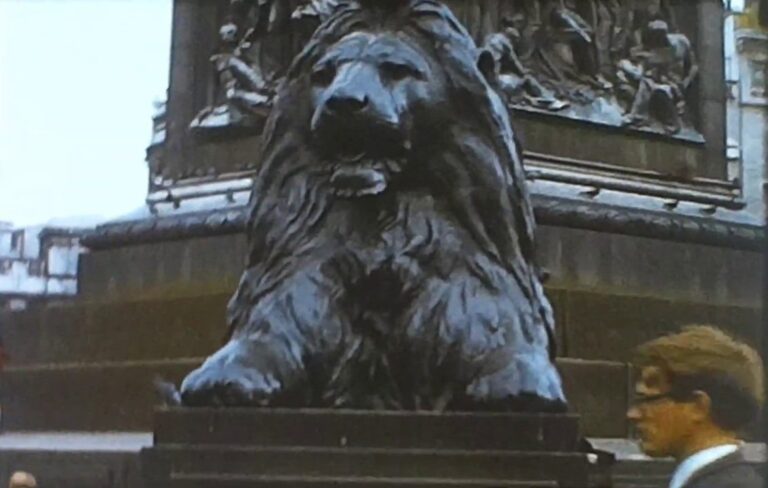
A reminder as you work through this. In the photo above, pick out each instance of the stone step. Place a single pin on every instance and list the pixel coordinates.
(95, 397)
(221, 481)
(380, 463)
(84, 332)
(118, 394)
(167, 268)
(95, 360)
(642, 474)
(641, 481)
(366, 429)
(253, 447)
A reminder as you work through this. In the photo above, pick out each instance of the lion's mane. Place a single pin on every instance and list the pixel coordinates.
(424, 295)
(483, 182)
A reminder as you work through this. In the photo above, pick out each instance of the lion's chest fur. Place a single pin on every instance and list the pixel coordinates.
(407, 234)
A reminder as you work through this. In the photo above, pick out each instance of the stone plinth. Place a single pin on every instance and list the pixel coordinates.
(318, 448)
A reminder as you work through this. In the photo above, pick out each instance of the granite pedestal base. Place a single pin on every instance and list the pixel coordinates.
(195, 448)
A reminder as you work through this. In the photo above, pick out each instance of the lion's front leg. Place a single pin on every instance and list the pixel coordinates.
(277, 349)
(484, 341)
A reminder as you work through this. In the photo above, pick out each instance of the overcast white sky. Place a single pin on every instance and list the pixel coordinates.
(77, 82)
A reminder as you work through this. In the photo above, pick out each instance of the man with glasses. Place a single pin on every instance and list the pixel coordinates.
(696, 392)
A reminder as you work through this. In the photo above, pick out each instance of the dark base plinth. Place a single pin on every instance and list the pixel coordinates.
(318, 448)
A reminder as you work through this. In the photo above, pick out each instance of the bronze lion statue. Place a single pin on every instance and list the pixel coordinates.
(391, 234)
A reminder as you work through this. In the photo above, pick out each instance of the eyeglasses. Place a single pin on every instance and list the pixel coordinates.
(676, 396)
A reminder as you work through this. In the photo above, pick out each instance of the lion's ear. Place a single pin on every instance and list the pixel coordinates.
(486, 63)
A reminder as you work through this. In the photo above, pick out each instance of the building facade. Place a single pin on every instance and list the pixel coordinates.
(746, 46)
(37, 263)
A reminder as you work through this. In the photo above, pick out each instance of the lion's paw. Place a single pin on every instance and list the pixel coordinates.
(529, 382)
(224, 380)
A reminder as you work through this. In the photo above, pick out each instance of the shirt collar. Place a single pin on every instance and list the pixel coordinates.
(697, 461)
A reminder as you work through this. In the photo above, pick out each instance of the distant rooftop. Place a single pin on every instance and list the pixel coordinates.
(39, 261)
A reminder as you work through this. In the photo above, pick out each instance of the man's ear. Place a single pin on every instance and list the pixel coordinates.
(487, 65)
(702, 404)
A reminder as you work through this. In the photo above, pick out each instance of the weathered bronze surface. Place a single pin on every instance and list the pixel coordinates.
(390, 234)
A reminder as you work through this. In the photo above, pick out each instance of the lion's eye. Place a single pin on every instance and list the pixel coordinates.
(323, 75)
(399, 71)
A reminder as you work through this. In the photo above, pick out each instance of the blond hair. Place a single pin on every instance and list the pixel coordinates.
(20, 479)
(702, 357)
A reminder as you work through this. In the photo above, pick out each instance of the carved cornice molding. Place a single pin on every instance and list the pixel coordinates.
(550, 211)
(559, 212)
(167, 228)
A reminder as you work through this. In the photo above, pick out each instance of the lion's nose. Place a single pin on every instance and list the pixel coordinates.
(347, 103)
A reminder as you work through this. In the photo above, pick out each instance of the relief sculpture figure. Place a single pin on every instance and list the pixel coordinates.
(663, 69)
(618, 62)
(595, 60)
(243, 92)
(515, 81)
(246, 68)
(569, 51)
(391, 236)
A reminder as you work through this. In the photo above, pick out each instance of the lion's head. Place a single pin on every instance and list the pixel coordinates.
(393, 97)
(372, 94)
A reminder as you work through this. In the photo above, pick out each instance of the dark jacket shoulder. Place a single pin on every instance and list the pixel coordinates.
(732, 471)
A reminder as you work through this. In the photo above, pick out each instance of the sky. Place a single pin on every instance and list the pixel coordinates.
(78, 79)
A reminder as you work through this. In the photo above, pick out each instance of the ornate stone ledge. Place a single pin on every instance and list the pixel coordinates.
(552, 211)
(644, 223)
(167, 228)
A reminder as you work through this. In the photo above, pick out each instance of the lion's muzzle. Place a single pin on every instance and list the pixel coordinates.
(357, 130)
(356, 95)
